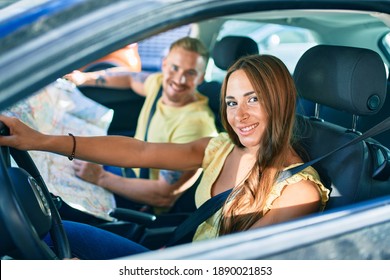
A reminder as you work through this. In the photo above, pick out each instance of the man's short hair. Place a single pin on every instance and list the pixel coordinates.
(193, 45)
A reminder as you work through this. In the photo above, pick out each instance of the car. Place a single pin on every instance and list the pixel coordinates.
(337, 51)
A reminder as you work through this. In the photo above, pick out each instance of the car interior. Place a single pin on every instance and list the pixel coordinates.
(343, 91)
(318, 97)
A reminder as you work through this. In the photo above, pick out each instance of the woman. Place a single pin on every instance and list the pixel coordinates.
(258, 108)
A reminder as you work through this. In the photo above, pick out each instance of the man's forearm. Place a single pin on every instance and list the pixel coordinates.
(109, 78)
(144, 191)
(117, 77)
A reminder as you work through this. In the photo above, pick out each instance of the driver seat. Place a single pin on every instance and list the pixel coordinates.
(352, 80)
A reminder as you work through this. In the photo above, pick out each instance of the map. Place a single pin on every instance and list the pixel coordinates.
(60, 108)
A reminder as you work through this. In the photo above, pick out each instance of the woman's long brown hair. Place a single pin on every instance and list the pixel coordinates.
(276, 93)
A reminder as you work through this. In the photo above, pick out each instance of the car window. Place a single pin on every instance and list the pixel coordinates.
(385, 44)
(153, 49)
(286, 42)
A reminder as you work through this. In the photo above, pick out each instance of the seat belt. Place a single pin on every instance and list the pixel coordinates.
(186, 229)
(144, 172)
(375, 130)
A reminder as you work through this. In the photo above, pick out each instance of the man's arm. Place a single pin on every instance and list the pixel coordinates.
(117, 77)
(158, 193)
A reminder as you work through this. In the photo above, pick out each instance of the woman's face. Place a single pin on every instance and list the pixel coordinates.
(245, 113)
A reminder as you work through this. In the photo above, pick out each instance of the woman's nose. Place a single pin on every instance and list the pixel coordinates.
(242, 113)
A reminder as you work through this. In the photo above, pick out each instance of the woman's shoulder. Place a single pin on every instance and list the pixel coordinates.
(309, 174)
(307, 181)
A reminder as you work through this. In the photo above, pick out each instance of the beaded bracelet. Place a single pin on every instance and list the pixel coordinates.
(71, 157)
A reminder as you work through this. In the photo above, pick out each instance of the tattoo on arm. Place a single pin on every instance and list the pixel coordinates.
(100, 80)
(171, 176)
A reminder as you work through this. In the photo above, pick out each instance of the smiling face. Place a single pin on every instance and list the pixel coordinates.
(183, 71)
(245, 114)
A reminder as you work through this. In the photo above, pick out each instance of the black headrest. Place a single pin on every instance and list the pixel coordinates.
(345, 78)
(230, 48)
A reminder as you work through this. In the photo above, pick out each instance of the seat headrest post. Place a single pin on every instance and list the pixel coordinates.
(355, 119)
(317, 111)
(316, 115)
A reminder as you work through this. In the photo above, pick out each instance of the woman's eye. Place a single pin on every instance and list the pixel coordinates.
(174, 67)
(253, 99)
(230, 103)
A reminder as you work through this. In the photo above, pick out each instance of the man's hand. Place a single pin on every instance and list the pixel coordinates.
(88, 171)
(77, 77)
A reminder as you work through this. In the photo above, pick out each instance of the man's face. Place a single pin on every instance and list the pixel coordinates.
(182, 72)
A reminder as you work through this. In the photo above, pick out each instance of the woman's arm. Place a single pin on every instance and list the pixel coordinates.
(110, 150)
(297, 200)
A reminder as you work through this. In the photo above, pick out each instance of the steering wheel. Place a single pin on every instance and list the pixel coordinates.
(27, 210)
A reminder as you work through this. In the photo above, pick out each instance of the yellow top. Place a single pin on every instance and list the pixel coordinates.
(173, 124)
(214, 159)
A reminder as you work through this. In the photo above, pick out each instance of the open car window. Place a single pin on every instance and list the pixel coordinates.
(286, 42)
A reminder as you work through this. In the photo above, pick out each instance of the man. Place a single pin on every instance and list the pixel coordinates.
(181, 115)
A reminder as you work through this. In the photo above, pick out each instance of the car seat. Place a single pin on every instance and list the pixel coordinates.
(225, 52)
(361, 123)
(352, 80)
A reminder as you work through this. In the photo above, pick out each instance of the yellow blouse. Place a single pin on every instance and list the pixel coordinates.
(215, 155)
